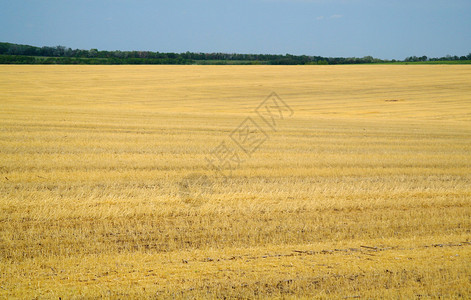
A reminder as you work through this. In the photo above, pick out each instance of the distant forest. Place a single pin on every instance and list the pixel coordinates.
(25, 54)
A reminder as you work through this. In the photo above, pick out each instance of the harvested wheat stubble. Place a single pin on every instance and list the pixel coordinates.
(364, 192)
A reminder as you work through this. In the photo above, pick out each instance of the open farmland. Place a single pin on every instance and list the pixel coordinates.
(364, 191)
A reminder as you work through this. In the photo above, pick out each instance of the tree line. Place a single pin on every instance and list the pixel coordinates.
(25, 54)
(444, 58)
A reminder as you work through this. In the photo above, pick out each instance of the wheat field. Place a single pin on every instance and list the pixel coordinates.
(361, 190)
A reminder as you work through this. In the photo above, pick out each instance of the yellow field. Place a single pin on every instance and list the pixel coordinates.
(363, 192)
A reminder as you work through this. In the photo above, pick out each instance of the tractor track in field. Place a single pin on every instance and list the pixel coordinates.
(363, 249)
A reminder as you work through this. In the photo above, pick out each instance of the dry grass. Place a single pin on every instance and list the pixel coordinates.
(364, 192)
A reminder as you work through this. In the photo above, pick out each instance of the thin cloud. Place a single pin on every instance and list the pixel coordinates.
(332, 17)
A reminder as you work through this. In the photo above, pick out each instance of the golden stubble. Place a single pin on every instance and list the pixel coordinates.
(364, 192)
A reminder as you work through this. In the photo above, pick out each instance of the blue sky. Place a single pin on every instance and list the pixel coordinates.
(383, 29)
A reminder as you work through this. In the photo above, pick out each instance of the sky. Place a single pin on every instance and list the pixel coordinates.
(392, 29)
